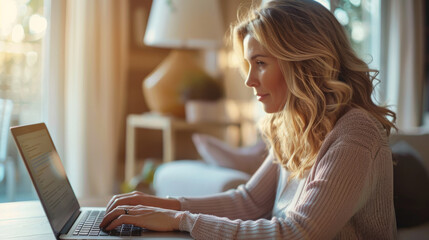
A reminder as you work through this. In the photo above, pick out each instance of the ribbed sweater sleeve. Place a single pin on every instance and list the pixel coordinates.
(338, 186)
(253, 200)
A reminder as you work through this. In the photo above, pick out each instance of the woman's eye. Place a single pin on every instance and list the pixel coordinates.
(260, 63)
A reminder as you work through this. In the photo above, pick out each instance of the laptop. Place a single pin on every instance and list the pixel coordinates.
(67, 219)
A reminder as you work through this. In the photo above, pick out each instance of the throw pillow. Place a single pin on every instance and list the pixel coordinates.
(218, 153)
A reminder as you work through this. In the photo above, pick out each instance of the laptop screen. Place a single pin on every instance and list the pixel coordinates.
(47, 173)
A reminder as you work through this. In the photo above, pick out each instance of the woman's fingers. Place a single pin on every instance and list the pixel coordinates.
(129, 194)
(156, 219)
(115, 197)
(124, 199)
(123, 219)
(115, 213)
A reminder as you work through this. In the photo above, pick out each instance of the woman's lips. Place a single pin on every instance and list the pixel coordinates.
(261, 97)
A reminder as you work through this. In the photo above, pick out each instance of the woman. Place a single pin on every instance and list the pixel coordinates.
(329, 171)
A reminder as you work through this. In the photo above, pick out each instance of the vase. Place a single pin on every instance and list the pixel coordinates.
(161, 89)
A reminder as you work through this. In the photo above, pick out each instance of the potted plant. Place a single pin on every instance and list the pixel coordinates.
(202, 96)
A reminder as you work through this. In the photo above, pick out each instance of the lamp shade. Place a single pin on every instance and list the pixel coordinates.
(190, 24)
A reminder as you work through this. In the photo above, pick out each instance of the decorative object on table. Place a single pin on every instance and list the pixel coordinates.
(186, 26)
(145, 178)
(200, 86)
(202, 96)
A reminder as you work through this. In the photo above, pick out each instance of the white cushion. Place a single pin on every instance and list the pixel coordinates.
(191, 178)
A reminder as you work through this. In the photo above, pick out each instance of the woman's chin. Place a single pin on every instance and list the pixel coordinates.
(270, 110)
(270, 107)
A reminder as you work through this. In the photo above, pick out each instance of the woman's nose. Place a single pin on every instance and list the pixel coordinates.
(251, 80)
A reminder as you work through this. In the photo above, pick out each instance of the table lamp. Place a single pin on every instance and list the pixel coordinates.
(185, 26)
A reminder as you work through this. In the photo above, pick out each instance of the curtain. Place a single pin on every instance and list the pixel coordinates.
(85, 103)
(53, 101)
(402, 61)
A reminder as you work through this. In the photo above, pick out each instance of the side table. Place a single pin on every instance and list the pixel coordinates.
(169, 126)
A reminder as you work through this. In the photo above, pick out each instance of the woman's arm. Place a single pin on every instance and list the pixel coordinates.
(253, 200)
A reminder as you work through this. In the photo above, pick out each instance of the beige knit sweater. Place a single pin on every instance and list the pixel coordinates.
(348, 194)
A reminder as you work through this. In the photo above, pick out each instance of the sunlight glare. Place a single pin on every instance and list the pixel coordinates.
(37, 24)
(325, 3)
(358, 31)
(341, 16)
(8, 16)
(18, 33)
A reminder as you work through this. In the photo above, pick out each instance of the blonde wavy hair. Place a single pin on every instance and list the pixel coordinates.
(323, 74)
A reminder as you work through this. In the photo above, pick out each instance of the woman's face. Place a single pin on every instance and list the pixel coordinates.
(264, 76)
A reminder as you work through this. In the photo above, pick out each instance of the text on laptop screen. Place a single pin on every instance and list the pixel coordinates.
(48, 176)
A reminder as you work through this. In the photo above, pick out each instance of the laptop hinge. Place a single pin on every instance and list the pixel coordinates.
(70, 222)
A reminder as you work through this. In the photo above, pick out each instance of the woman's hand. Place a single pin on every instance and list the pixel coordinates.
(139, 198)
(152, 218)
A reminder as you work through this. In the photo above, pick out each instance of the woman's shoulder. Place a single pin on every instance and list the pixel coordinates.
(355, 116)
(358, 127)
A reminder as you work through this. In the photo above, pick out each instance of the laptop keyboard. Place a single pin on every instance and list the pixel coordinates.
(90, 226)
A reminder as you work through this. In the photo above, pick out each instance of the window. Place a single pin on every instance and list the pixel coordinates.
(22, 28)
(361, 19)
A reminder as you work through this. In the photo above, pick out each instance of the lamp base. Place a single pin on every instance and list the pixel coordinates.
(161, 88)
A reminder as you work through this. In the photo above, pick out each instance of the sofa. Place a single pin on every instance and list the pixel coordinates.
(192, 178)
